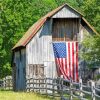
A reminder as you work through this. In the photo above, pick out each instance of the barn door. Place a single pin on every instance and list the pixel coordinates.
(20, 72)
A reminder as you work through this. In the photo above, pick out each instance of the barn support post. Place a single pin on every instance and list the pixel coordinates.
(93, 90)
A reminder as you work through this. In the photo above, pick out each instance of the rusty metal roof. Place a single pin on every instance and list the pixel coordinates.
(35, 27)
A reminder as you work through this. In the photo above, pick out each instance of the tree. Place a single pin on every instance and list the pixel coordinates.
(91, 9)
(16, 16)
(90, 51)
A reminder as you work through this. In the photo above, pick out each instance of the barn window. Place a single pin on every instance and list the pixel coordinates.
(36, 70)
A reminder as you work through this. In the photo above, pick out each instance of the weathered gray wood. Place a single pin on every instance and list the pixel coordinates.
(66, 12)
(80, 85)
(71, 92)
(33, 85)
(93, 90)
(40, 51)
(53, 87)
(46, 85)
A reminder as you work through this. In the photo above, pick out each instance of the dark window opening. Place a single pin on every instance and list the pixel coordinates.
(65, 29)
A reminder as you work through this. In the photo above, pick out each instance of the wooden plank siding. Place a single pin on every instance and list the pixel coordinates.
(40, 51)
(66, 12)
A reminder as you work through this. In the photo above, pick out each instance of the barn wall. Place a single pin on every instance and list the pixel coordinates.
(66, 12)
(39, 51)
(20, 64)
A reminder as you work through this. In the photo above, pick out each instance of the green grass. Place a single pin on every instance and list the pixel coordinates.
(10, 95)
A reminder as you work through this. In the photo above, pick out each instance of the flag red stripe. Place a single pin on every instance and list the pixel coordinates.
(63, 66)
(73, 61)
(77, 61)
(60, 67)
(69, 59)
(66, 68)
(67, 62)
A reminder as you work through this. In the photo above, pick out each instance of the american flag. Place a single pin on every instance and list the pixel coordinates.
(66, 58)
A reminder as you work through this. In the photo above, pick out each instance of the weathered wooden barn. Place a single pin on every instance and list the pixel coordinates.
(33, 54)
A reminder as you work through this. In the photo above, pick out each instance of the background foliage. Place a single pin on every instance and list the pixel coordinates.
(16, 16)
(90, 51)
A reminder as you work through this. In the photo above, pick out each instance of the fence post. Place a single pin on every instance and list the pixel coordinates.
(29, 85)
(93, 89)
(39, 85)
(53, 91)
(80, 87)
(5, 82)
(71, 92)
(33, 84)
(60, 86)
(46, 85)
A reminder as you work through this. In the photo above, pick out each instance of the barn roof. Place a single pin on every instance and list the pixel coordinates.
(35, 27)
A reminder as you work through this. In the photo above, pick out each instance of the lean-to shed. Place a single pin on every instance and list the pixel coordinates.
(33, 54)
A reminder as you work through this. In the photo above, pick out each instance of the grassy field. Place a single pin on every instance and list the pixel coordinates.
(9, 95)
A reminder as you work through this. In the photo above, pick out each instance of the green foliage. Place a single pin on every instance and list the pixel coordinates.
(90, 52)
(16, 16)
(91, 9)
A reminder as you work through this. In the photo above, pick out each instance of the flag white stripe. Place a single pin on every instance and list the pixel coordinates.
(71, 59)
